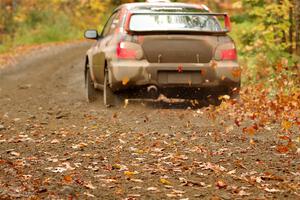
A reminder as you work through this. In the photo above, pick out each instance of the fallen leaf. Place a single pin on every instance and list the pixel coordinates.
(258, 179)
(282, 149)
(165, 181)
(243, 193)
(108, 180)
(236, 73)
(88, 194)
(57, 169)
(224, 97)
(55, 141)
(178, 191)
(152, 189)
(228, 129)
(68, 178)
(284, 137)
(79, 146)
(14, 153)
(89, 186)
(221, 184)
(137, 180)
(232, 172)
(286, 125)
(214, 167)
(119, 167)
(171, 195)
(252, 142)
(122, 141)
(272, 190)
(128, 173)
(125, 80)
(249, 130)
(126, 101)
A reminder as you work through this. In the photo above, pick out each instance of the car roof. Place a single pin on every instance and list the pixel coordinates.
(148, 6)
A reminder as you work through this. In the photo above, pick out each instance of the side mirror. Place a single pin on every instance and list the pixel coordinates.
(91, 34)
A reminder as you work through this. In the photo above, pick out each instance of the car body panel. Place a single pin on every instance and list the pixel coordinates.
(129, 74)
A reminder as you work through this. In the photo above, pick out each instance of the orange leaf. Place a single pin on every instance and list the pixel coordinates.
(282, 149)
(221, 184)
(249, 130)
(68, 178)
(252, 142)
(236, 73)
(286, 125)
(125, 80)
(284, 137)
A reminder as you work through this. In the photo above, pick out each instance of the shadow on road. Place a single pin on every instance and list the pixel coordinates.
(181, 104)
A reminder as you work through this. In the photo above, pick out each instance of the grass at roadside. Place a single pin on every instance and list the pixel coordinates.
(40, 30)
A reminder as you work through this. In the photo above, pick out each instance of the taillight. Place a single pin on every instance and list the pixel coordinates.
(229, 54)
(226, 51)
(125, 53)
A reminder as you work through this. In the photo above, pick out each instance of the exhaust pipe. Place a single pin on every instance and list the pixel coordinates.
(152, 91)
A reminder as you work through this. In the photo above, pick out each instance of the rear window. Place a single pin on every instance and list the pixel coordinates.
(174, 22)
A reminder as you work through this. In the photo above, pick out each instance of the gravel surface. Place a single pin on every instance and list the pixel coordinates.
(55, 145)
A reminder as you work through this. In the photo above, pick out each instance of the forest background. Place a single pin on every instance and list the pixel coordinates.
(267, 32)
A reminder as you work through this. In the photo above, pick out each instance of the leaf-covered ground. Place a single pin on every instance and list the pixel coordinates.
(55, 145)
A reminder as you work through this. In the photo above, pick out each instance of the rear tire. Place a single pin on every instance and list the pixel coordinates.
(90, 91)
(109, 98)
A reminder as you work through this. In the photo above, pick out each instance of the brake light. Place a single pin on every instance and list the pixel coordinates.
(229, 54)
(125, 53)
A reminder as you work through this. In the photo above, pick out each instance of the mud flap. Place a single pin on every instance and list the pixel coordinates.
(109, 97)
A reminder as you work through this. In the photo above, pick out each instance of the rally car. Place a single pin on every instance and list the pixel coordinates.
(176, 49)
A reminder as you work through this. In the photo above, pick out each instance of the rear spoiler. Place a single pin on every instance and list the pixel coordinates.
(225, 15)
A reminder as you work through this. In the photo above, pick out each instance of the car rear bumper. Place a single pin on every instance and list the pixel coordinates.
(126, 74)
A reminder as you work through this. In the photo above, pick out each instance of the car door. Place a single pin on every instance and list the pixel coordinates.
(103, 47)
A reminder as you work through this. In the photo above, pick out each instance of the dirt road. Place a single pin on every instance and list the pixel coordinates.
(54, 145)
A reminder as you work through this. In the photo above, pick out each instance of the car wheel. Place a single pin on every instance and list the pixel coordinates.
(214, 100)
(90, 91)
(109, 98)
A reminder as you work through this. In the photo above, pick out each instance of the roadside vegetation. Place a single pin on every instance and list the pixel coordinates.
(36, 21)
